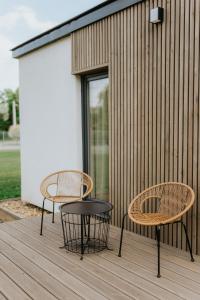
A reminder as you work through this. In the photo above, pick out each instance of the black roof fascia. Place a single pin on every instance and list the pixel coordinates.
(93, 15)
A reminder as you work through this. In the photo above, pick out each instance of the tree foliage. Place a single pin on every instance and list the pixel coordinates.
(7, 97)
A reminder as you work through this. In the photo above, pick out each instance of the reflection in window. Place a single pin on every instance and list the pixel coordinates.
(98, 137)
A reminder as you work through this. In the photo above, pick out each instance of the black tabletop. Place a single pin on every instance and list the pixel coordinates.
(86, 207)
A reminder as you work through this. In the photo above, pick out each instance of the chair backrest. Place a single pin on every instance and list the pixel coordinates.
(175, 199)
(67, 183)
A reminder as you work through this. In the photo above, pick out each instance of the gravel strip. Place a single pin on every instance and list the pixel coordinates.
(22, 209)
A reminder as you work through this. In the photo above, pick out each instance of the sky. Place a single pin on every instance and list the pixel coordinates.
(23, 19)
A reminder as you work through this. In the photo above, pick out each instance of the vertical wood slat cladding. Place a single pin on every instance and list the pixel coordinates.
(154, 102)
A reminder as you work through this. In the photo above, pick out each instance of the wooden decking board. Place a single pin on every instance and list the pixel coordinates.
(35, 268)
(143, 295)
(149, 246)
(146, 247)
(166, 259)
(82, 272)
(111, 292)
(32, 288)
(150, 263)
(115, 233)
(140, 243)
(2, 297)
(142, 272)
(52, 268)
(181, 273)
(10, 289)
(130, 289)
(172, 276)
(54, 227)
(136, 277)
(165, 252)
(133, 291)
(38, 275)
(166, 284)
(139, 258)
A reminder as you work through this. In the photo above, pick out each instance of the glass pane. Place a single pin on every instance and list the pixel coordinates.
(98, 137)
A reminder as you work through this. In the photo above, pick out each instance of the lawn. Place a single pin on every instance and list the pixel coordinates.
(9, 174)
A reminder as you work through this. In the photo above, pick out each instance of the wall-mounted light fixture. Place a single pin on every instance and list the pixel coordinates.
(156, 15)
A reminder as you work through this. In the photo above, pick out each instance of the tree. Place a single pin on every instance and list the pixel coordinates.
(6, 99)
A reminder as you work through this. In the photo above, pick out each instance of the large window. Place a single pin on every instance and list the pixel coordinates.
(95, 132)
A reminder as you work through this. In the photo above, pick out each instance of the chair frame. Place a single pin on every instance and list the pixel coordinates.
(48, 197)
(176, 219)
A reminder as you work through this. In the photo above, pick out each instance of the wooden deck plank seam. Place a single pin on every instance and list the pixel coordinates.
(20, 287)
(94, 263)
(55, 263)
(152, 245)
(152, 261)
(2, 296)
(24, 228)
(53, 225)
(42, 268)
(10, 281)
(24, 271)
(46, 274)
(131, 282)
(60, 253)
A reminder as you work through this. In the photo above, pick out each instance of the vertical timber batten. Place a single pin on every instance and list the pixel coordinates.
(154, 125)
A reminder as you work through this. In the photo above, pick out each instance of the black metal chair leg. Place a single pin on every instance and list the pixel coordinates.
(121, 238)
(82, 237)
(53, 212)
(88, 228)
(158, 247)
(188, 241)
(41, 228)
(62, 223)
(84, 225)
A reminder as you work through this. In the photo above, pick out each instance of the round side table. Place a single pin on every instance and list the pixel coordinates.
(85, 225)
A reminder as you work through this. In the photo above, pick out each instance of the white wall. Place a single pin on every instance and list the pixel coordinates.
(50, 107)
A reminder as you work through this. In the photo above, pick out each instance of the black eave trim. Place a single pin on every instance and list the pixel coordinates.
(92, 15)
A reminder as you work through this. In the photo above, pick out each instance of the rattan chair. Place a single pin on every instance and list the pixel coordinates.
(65, 186)
(171, 201)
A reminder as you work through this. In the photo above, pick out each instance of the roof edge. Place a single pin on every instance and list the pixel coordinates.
(64, 29)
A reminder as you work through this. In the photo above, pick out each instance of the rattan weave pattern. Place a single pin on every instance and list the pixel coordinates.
(70, 185)
(173, 200)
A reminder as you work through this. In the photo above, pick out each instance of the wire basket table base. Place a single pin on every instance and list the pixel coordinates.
(85, 233)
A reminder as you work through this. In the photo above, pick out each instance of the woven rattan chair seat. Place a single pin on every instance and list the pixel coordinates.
(149, 218)
(171, 199)
(63, 199)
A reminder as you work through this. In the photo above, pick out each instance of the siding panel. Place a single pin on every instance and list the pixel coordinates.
(154, 102)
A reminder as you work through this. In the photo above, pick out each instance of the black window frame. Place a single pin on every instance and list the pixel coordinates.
(85, 113)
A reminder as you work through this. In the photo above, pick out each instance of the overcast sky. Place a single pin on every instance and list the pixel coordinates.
(22, 19)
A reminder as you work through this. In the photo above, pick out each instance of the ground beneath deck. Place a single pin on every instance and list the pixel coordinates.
(34, 267)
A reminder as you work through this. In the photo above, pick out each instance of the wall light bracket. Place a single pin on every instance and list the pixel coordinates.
(157, 15)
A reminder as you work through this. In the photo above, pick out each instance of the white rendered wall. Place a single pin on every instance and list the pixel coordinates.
(50, 108)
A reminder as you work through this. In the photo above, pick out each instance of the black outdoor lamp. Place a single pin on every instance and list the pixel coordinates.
(157, 15)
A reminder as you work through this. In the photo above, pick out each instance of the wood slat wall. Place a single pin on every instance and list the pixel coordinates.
(154, 102)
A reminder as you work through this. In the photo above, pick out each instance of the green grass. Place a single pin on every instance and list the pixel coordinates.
(9, 174)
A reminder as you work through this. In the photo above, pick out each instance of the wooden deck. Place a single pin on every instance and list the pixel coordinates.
(33, 267)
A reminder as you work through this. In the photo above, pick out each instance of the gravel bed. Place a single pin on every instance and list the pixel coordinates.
(21, 209)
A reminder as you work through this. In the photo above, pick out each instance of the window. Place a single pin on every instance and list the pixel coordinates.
(96, 133)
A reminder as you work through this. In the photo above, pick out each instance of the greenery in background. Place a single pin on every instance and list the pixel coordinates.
(9, 174)
(8, 96)
(99, 118)
(99, 159)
